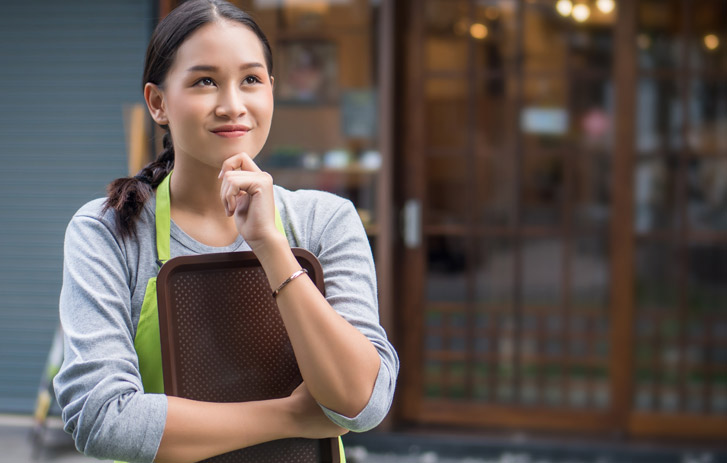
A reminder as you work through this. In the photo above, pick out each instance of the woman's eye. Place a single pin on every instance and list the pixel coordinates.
(251, 80)
(205, 82)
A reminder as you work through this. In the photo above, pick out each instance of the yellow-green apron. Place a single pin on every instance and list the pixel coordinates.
(147, 341)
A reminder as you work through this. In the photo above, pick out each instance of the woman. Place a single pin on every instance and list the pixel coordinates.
(208, 81)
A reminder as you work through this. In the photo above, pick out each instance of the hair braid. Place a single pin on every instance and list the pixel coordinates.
(127, 195)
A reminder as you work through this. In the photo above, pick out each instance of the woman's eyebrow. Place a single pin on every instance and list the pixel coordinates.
(210, 68)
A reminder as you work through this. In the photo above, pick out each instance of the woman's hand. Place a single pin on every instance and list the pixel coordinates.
(247, 193)
(309, 420)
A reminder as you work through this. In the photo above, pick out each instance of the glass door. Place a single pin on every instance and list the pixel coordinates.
(512, 130)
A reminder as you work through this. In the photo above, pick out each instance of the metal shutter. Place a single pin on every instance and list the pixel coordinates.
(67, 69)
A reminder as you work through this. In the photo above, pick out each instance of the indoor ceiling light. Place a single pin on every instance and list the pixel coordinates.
(711, 41)
(606, 6)
(478, 31)
(581, 12)
(564, 7)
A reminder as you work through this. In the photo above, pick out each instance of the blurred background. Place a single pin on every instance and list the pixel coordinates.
(543, 182)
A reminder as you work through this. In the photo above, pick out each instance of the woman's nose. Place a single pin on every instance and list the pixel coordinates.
(231, 104)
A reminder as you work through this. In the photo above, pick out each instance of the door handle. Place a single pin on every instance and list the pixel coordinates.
(411, 222)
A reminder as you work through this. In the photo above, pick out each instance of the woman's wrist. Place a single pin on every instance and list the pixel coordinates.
(277, 260)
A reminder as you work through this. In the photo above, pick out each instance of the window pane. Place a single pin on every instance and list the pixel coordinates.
(494, 35)
(708, 116)
(456, 32)
(553, 42)
(545, 118)
(657, 268)
(542, 268)
(707, 194)
(659, 30)
(591, 44)
(495, 273)
(590, 274)
(447, 269)
(543, 189)
(545, 38)
(592, 102)
(447, 190)
(708, 41)
(494, 189)
(447, 114)
(707, 292)
(441, 17)
(654, 194)
(659, 116)
(591, 195)
(496, 128)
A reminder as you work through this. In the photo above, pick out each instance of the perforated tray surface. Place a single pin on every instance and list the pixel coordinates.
(223, 340)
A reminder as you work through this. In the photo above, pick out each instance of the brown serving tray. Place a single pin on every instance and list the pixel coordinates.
(223, 340)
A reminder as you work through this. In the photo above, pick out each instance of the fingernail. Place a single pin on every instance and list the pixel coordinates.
(219, 175)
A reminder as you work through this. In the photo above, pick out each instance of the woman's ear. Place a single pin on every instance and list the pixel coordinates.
(272, 82)
(154, 98)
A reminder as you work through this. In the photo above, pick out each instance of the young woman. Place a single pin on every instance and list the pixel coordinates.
(208, 81)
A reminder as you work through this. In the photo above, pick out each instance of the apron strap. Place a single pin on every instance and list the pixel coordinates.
(163, 220)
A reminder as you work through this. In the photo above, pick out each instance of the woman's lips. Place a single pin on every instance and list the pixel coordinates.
(231, 131)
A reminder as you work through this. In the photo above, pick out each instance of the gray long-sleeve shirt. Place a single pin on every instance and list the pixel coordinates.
(104, 280)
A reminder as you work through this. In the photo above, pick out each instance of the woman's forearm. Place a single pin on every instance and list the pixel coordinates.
(198, 430)
(338, 363)
(195, 430)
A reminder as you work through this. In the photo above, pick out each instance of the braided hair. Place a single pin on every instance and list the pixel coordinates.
(127, 195)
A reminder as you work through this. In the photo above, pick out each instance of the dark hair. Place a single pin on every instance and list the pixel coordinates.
(127, 195)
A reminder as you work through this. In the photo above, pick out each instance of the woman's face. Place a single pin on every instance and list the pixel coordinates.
(217, 97)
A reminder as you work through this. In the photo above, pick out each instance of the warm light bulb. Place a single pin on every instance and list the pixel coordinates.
(478, 31)
(711, 41)
(606, 6)
(564, 7)
(581, 12)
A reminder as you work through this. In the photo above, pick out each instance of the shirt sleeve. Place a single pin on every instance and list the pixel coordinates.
(350, 281)
(99, 387)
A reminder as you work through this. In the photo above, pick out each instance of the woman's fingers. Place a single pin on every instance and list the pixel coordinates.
(241, 161)
(236, 184)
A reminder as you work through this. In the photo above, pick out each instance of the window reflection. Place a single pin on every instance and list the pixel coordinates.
(542, 267)
(707, 194)
(446, 114)
(591, 195)
(659, 116)
(590, 276)
(494, 189)
(659, 34)
(708, 40)
(447, 190)
(708, 116)
(657, 267)
(446, 269)
(543, 190)
(592, 101)
(495, 277)
(654, 194)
